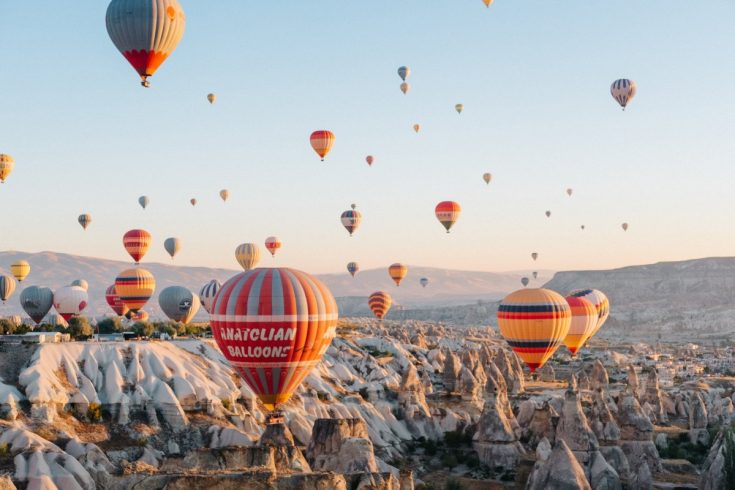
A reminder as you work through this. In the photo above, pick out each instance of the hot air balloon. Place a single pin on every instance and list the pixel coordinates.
(404, 72)
(36, 302)
(582, 227)
(424, 281)
(247, 255)
(534, 322)
(569, 192)
(584, 321)
(193, 201)
(351, 219)
(459, 108)
(293, 321)
(135, 287)
(84, 220)
(487, 177)
(20, 270)
(405, 87)
(534, 255)
(447, 212)
(81, 283)
(208, 292)
(137, 243)
(144, 201)
(524, 281)
(179, 304)
(146, 32)
(353, 268)
(113, 299)
(535, 275)
(7, 287)
(397, 272)
(369, 159)
(548, 214)
(139, 316)
(624, 226)
(487, 2)
(6, 166)
(70, 301)
(211, 98)
(600, 302)
(272, 244)
(322, 142)
(224, 194)
(417, 127)
(172, 246)
(623, 91)
(379, 303)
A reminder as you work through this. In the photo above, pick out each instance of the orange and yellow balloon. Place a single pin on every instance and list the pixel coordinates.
(272, 244)
(447, 212)
(397, 272)
(135, 287)
(379, 303)
(322, 141)
(584, 321)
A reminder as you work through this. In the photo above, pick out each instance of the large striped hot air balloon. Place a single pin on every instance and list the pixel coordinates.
(6, 166)
(600, 302)
(353, 268)
(247, 255)
(85, 220)
(70, 301)
(273, 243)
(623, 91)
(37, 302)
(179, 304)
(208, 293)
(351, 219)
(20, 269)
(397, 272)
(447, 212)
(146, 32)
(135, 287)
(322, 142)
(274, 325)
(137, 243)
(7, 287)
(172, 246)
(534, 322)
(379, 303)
(113, 299)
(584, 321)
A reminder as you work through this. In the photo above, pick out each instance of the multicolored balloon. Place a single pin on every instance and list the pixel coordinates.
(7, 287)
(397, 272)
(146, 32)
(351, 219)
(135, 287)
(534, 322)
(179, 304)
(37, 302)
(172, 246)
(623, 91)
(137, 243)
(114, 301)
(288, 321)
(447, 212)
(6, 166)
(208, 293)
(584, 321)
(599, 301)
(247, 255)
(379, 303)
(353, 268)
(70, 301)
(85, 220)
(404, 72)
(322, 142)
(20, 269)
(272, 244)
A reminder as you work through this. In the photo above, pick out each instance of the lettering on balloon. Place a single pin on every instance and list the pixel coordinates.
(257, 334)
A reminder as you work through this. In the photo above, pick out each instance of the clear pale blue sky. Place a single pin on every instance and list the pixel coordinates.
(534, 77)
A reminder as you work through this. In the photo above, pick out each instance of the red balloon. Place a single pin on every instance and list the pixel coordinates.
(115, 302)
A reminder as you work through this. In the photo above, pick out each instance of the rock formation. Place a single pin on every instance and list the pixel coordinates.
(598, 376)
(508, 364)
(556, 469)
(496, 441)
(698, 420)
(547, 373)
(633, 383)
(653, 397)
(342, 446)
(636, 436)
(451, 372)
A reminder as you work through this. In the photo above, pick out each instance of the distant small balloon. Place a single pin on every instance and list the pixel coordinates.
(81, 283)
(624, 226)
(405, 87)
(397, 272)
(524, 281)
(370, 159)
(351, 219)
(6, 166)
(272, 244)
(487, 177)
(623, 91)
(548, 214)
(404, 72)
(322, 142)
(143, 201)
(569, 192)
(211, 98)
(247, 255)
(85, 220)
(534, 255)
(20, 269)
(172, 246)
(582, 227)
(459, 108)
(353, 268)
(424, 281)
(487, 2)
(379, 303)
(417, 127)
(193, 201)
(224, 194)
(535, 275)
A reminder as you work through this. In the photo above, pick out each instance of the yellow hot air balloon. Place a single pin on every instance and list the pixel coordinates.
(487, 2)
(459, 108)
(534, 322)
(211, 98)
(247, 255)
(6, 166)
(20, 270)
(584, 321)
(135, 287)
(397, 272)
(224, 194)
(417, 127)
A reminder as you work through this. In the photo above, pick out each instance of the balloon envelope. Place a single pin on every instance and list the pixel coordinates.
(397, 272)
(369, 159)
(135, 287)
(6, 166)
(114, 301)
(144, 201)
(37, 302)
(208, 292)
(20, 269)
(224, 194)
(459, 108)
(417, 127)
(7, 287)
(447, 212)
(534, 322)
(353, 268)
(623, 91)
(379, 303)
(404, 72)
(405, 87)
(272, 243)
(600, 302)
(487, 177)
(624, 226)
(534, 256)
(283, 324)
(172, 246)
(424, 281)
(584, 321)
(81, 283)
(322, 142)
(70, 301)
(524, 281)
(179, 304)
(211, 98)
(85, 220)
(137, 243)
(351, 220)
(247, 255)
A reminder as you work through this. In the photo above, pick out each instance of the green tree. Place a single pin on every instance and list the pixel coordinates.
(111, 324)
(79, 328)
(166, 328)
(6, 326)
(144, 329)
